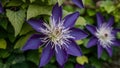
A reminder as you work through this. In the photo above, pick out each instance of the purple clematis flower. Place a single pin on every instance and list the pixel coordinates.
(79, 3)
(104, 36)
(79, 66)
(1, 8)
(58, 37)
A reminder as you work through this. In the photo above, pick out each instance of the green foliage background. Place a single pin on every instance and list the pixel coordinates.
(14, 31)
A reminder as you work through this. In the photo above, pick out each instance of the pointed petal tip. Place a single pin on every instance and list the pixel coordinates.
(46, 55)
(79, 3)
(74, 49)
(56, 13)
(109, 51)
(110, 21)
(99, 50)
(32, 43)
(70, 19)
(78, 34)
(91, 29)
(92, 42)
(100, 19)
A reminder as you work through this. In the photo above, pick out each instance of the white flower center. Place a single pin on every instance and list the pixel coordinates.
(104, 34)
(56, 34)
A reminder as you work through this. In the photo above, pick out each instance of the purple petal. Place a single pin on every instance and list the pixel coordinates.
(36, 24)
(92, 42)
(61, 55)
(79, 66)
(79, 3)
(100, 50)
(46, 55)
(78, 34)
(91, 29)
(1, 8)
(100, 19)
(69, 20)
(116, 43)
(110, 22)
(109, 50)
(57, 13)
(73, 49)
(33, 42)
(115, 31)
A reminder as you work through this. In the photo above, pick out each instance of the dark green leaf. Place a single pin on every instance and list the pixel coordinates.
(17, 19)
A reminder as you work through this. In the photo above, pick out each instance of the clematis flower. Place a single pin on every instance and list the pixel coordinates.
(1, 8)
(104, 35)
(58, 37)
(79, 3)
(79, 66)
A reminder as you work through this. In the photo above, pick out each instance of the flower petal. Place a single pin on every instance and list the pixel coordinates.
(46, 55)
(78, 34)
(36, 24)
(91, 29)
(69, 20)
(79, 66)
(92, 42)
(61, 55)
(110, 22)
(109, 50)
(78, 3)
(100, 50)
(33, 42)
(100, 19)
(114, 31)
(116, 43)
(73, 49)
(1, 8)
(57, 13)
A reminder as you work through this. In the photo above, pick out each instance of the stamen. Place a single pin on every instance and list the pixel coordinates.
(105, 36)
(56, 34)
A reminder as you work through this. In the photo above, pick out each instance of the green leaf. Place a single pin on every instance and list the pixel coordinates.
(24, 0)
(14, 3)
(108, 6)
(33, 56)
(118, 35)
(20, 43)
(4, 23)
(50, 66)
(18, 59)
(69, 65)
(25, 29)
(4, 53)
(52, 2)
(16, 19)
(32, 1)
(20, 65)
(35, 10)
(91, 12)
(15, 58)
(79, 42)
(60, 2)
(104, 56)
(82, 60)
(95, 62)
(80, 22)
(3, 44)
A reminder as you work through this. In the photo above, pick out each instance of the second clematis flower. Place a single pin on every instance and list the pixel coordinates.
(104, 35)
(58, 37)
